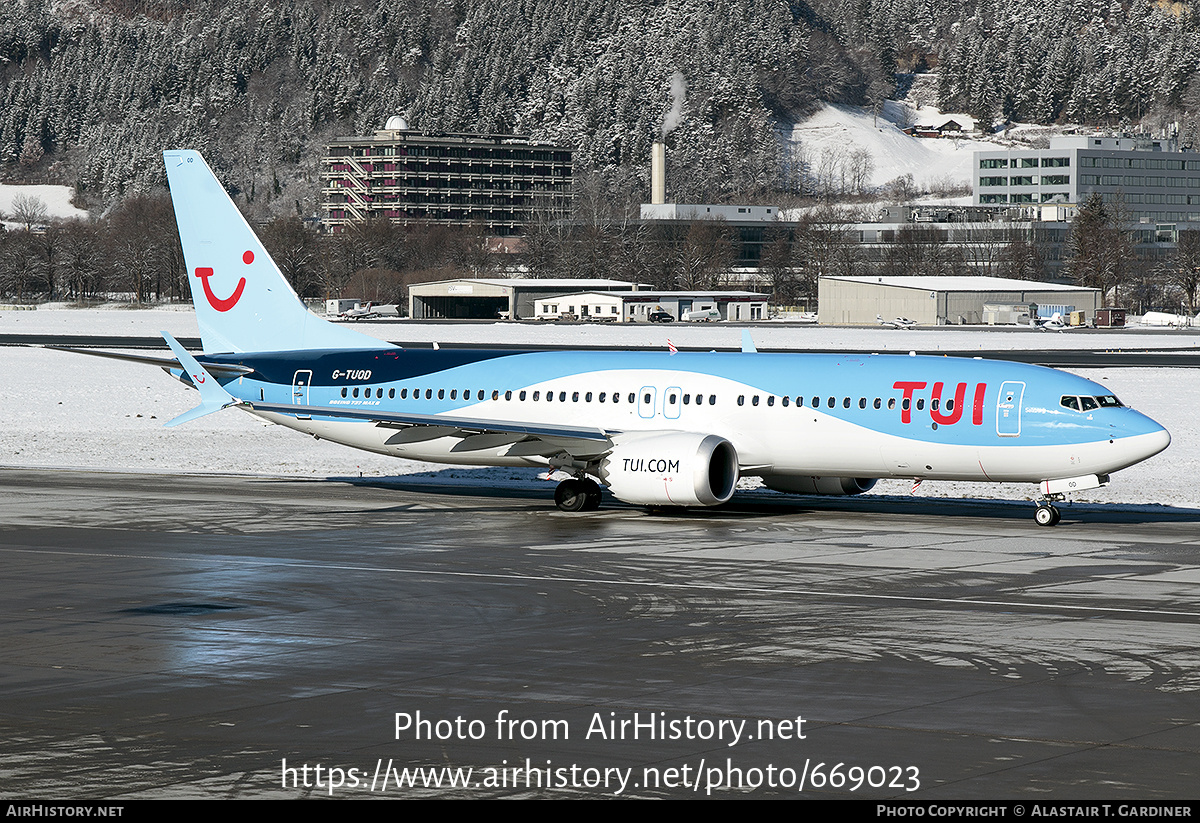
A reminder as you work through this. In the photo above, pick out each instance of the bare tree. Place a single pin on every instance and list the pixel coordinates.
(1181, 271)
(28, 210)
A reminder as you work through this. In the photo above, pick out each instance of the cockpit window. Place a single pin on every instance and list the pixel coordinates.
(1089, 403)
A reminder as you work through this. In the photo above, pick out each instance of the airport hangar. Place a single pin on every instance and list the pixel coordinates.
(486, 298)
(939, 301)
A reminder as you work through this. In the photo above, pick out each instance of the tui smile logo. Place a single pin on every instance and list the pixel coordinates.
(226, 303)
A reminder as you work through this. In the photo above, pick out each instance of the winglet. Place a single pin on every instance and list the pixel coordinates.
(748, 342)
(213, 396)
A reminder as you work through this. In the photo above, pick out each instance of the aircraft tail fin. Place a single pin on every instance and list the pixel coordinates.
(243, 302)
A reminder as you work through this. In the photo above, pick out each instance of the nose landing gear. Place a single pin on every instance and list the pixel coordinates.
(1047, 514)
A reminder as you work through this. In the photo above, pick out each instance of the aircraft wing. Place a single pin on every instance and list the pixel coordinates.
(477, 433)
(218, 369)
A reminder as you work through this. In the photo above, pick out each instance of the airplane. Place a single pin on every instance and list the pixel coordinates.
(363, 311)
(897, 323)
(1054, 322)
(659, 429)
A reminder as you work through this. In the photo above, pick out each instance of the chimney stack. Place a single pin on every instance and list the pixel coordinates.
(658, 173)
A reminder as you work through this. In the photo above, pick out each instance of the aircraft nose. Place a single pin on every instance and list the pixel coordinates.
(1155, 441)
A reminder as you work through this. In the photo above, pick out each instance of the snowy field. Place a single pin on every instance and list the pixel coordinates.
(57, 200)
(66, 410)
(840, 129)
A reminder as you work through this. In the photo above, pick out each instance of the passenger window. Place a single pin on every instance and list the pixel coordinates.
(633, 397)
(671, 398)
(754, 401)
(495, 394)
(508, 395)
(950, 405)
(878, 403)
(575, 397)
(786, 400)
(480, 395)
(741, 399)
(537, 395)
(404, 394)
(549, 397)
(562, 397)
(933, 404)
(816, 403)
(603, 394)
(920, 404)
(799, 401)
(771, 400)
(845, 402)
(862, 402)
(587, 398)
(687, 399)
(391, 394)
(441, 394)
(712, 400)
(355, 392)
(344, 391)
(905, 404)
(892, 403)
(454, 394)
(429, 394)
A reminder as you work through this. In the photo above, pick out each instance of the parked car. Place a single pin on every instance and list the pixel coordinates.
(660, 316)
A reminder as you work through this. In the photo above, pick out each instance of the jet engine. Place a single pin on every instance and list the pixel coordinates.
(838, 486)
(677, 469)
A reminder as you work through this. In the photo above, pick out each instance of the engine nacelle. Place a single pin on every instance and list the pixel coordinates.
(838, 486)
(678, 469)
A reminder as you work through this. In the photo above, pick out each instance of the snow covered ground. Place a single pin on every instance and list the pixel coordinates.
(56, 198)
(934, 162)
(66, 410)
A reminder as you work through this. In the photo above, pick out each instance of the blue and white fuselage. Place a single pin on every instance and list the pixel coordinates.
(656, 428)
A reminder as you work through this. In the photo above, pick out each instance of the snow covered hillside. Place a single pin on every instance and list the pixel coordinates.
(57, 200)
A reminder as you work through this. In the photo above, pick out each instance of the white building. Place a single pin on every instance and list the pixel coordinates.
(637, 306)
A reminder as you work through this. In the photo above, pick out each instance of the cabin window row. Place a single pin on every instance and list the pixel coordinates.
(549, 396)
(848, 402)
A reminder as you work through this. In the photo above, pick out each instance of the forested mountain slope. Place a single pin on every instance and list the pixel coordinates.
(91, 92)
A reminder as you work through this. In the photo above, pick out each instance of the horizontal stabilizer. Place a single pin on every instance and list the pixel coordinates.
(213, 396)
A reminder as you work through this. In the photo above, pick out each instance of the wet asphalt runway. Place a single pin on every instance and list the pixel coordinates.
(172, 637)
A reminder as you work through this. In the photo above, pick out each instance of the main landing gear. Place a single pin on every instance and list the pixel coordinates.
(1047, 514)
(577, 495)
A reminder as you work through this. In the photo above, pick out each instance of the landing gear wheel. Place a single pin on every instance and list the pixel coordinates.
(592, 493)
(1047, 515)
(576, 495)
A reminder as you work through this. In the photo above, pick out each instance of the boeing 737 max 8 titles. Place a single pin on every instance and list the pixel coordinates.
(659, 429)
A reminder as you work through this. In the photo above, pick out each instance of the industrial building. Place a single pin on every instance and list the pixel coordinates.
(637, 306)
(1156, 182)
(938, 301)
(487, 298)
(405, 176)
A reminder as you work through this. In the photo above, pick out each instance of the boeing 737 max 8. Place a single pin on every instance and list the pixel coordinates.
(659, 429)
